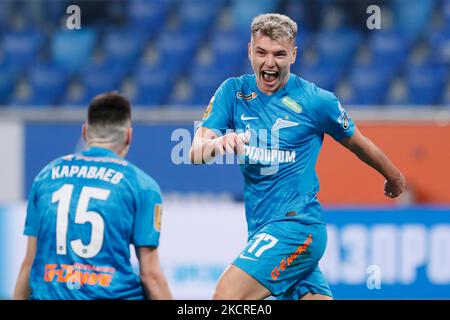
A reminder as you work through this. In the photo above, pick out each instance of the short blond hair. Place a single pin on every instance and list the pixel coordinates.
(274, 25)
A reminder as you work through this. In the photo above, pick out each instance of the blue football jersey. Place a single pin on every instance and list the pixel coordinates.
(85, 210)
(286, 131)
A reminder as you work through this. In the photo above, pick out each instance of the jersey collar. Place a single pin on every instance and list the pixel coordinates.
(100, 151)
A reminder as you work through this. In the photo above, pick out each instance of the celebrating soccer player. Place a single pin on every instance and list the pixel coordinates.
(279, 121)
(83, 212)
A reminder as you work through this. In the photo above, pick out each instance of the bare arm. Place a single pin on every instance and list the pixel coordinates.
(22, 290)
(206, 145)
(152, 277)
(369, 153)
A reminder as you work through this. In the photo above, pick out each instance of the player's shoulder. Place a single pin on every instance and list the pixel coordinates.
(238, 84)
(142, 180)
(316, 96)
(46, 171)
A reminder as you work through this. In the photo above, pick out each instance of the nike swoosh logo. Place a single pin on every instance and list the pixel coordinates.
(281, 124)
(244, 118)
(248, 258)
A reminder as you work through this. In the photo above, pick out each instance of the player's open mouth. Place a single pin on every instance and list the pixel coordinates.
(269, 77)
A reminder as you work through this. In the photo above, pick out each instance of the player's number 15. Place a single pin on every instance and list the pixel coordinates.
(63, 196)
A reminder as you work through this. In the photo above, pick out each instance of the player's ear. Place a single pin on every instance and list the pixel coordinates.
(294, 55)
(129, 136)
(84, 131)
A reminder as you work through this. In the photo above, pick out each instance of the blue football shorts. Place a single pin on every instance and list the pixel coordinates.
(284, 257)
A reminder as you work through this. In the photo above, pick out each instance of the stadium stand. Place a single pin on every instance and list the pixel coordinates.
(178, 52)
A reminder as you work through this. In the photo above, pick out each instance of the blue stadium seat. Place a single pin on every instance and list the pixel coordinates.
(412, 16)
(97, 78)
(323, 75)
(446, 12)
(244, 11)
(71, 49)
(205, 80)
(198, 14)
(21, 48)
(48, 84)
(369, 84)
(338, 47)
(124, 46)
(426, 83)
(153, 85)
(388, 47)
(148, 15)
(439, 42)
(177, 48)
(230, 47)
(8, 79)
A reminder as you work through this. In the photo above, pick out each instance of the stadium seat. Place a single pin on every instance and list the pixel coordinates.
(124, 46)
(439, 42)
(47, 83)
(321, 74)
(205, 79)
(412, 16)
(147, 15)
(388, 47)
(446, 12)
(8, 79)
(369, 84)
(338, 47)
(97, 78)
(230, 47)
(177, 48)
(244, 11)
(198, 14)
(426, 83)
(153, 85)
(21, 48)
(71, 49)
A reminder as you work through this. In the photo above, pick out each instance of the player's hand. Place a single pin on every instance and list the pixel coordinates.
(231, 143)
(395, 186)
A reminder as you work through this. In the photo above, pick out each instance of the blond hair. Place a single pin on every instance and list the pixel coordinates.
(274, 25)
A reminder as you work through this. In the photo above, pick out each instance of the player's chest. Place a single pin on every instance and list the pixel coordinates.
(282, 118)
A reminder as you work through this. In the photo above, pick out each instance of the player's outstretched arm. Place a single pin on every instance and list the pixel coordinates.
(22, 290)
(368, 152)
(206, 145)
(152, 277)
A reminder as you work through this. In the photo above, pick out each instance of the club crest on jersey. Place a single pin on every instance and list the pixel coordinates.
(208, 110)
(246, 97)
(291, 104)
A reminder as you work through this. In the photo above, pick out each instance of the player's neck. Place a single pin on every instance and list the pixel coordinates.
(117, 150)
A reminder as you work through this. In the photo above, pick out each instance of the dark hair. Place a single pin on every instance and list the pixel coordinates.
(109, 109)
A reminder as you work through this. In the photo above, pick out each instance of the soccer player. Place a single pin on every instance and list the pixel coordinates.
(84, 211)
(278, 121)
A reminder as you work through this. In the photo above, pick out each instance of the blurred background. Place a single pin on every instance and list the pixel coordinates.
(169, 56)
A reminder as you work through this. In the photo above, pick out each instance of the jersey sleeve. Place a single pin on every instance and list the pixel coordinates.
(147, 224)
(217, 115)
(32, 221)
(332, 117)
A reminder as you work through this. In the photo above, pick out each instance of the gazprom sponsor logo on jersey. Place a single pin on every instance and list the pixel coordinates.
(263, 155)
(291, 104)
(246, 97)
